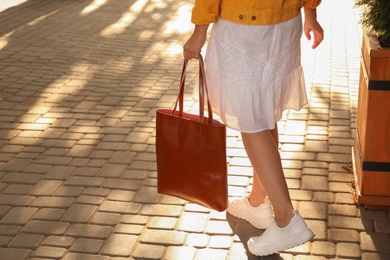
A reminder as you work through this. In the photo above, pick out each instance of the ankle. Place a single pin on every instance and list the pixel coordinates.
(284, 219)
(255, 202)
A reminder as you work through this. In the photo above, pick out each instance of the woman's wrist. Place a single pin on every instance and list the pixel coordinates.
(201, 29)
(310, 13)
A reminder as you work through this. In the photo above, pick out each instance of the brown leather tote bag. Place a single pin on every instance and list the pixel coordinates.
(191, 151)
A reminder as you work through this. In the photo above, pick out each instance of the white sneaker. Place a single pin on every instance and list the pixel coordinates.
(275, 239)
(261, 217)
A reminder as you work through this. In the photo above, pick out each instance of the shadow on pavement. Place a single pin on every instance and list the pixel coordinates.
(245, 231)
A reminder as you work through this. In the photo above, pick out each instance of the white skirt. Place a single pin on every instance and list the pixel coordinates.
(254, 73)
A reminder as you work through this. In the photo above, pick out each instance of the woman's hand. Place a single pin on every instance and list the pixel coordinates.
(311, 25)
(194, 44)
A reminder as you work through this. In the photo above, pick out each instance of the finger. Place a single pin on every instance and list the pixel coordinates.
(195, 55)
(307, 34)
(187, 55)
(315, 44)
(317, 40)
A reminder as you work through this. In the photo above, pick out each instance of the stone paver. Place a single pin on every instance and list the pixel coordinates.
(18, 216)
(79, 85)
(119, 245)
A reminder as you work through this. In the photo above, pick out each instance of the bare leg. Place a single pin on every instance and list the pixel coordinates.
(264, 156)
(258, 193)
(275, 135)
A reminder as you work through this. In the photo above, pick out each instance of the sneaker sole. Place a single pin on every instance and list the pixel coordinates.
(304, 236)
(249, 220)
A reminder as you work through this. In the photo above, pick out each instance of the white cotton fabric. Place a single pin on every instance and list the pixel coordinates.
(254, 73)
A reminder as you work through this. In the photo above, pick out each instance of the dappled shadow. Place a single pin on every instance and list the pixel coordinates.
(80, 81)
(71, 69)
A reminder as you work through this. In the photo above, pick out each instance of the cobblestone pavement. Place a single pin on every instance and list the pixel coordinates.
(80, 81)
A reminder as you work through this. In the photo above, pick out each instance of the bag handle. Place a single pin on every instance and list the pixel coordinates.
(203, 92)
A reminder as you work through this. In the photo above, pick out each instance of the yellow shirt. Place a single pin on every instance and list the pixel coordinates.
(250, 12)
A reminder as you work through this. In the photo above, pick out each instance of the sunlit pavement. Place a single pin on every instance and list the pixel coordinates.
(80, 81)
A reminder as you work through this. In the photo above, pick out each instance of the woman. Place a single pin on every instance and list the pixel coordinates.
(254, 73)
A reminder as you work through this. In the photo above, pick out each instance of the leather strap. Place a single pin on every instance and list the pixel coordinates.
(203, 93)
